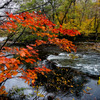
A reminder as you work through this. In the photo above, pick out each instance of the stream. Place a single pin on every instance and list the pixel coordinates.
(87, 62)
(87, 66)
(76, 78)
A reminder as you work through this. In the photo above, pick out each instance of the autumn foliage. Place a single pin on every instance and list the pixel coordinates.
(41, 27)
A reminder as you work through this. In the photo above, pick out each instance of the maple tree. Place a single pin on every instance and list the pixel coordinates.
(41, 27)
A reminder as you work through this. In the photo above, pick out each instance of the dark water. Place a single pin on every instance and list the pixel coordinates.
(74, 77)
(83, 72)
(87, 62)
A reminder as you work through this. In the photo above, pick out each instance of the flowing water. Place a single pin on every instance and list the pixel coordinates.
(87, 62)
(82, 69)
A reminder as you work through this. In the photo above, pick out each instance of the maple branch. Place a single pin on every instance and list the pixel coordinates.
(7, 55)
(6, 41)
(3, 82)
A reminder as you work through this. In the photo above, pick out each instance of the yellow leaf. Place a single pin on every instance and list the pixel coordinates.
(98, 81)
(15, 73)
(71, 86)
(41, 95)
(34, 91)
(88, 88)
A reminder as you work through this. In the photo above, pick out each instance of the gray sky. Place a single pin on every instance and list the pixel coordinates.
(12, 7)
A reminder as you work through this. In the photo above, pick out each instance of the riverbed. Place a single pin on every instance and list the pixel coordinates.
(86, 69)
(75, 76)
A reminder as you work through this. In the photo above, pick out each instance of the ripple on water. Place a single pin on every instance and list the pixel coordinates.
(87, 63)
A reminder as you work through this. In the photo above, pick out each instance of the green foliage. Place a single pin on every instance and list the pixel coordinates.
(82, 15)
(3, 33)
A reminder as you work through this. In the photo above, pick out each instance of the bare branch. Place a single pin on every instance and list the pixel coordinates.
(9, 36)
(18, 37)
(61, 21)
(6, 4)
(28, 9)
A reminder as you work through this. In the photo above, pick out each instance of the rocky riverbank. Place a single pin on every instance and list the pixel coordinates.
(52, 48)
(88, 46)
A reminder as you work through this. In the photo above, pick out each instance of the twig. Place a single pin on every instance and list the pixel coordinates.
(17, 37)
(28, 9)
(8, 39)
(6, 4)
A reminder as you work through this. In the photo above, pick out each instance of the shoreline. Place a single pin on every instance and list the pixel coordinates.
(88, 46)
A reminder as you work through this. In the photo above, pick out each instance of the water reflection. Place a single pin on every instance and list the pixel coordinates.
(67, 83)
(63, 82)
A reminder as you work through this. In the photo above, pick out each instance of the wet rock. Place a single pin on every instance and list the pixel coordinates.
(50, 96)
